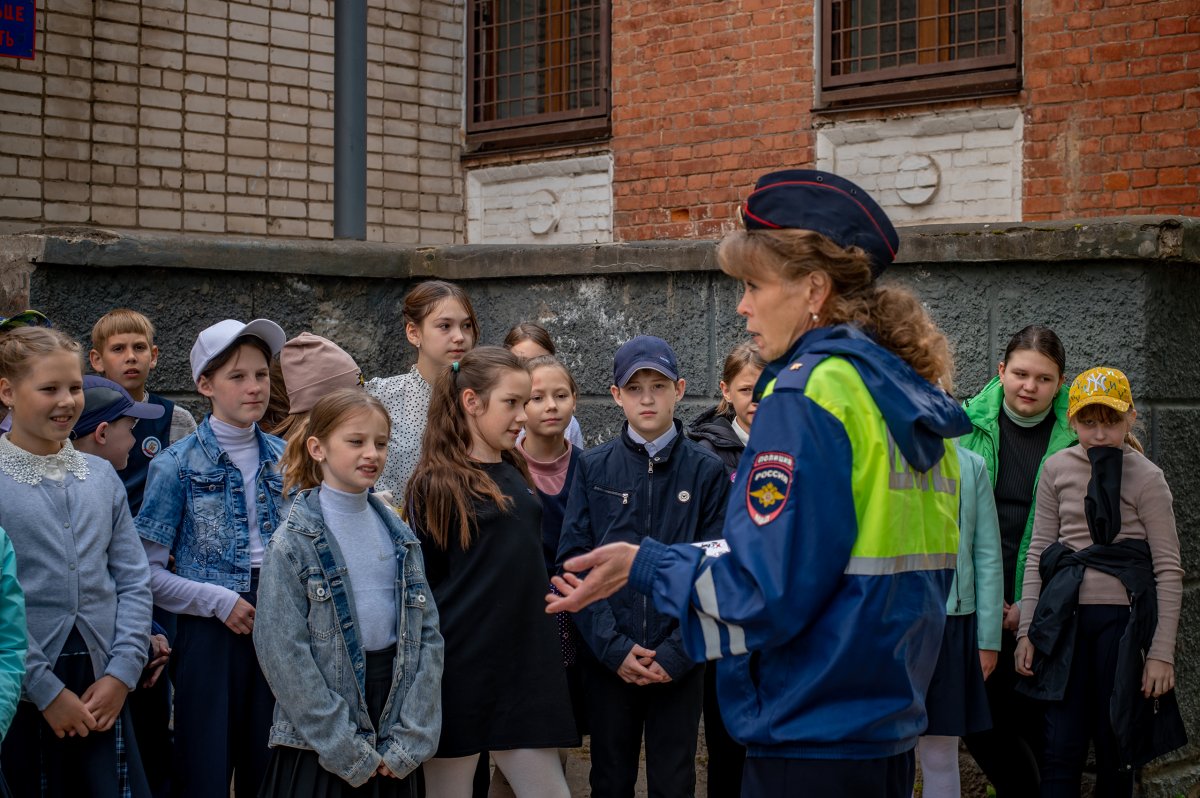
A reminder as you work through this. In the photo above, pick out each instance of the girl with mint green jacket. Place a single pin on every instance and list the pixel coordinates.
(957, 702)
(12, 634)
(13, 643)
(1019, 420)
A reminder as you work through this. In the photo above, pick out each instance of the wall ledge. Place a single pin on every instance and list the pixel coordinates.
(1174, 239)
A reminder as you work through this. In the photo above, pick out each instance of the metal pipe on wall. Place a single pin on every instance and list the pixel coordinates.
(350, 119)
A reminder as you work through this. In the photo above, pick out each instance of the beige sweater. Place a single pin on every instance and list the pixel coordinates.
(1146, 514)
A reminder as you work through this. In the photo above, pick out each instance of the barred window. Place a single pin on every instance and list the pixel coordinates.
(538, 71)
(894, 50)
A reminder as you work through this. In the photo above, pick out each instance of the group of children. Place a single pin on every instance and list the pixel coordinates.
(347, 578)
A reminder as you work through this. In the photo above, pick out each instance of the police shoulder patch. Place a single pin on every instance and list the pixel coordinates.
(768, 487)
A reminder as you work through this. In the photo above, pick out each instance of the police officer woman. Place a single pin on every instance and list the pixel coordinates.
(842, 523)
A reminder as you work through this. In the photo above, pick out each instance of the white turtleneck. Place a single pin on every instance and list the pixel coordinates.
(241, 444)
(370, 559)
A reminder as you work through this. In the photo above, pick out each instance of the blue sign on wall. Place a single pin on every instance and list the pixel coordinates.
(16, 28)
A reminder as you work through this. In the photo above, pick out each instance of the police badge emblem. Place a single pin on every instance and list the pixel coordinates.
(768, 486)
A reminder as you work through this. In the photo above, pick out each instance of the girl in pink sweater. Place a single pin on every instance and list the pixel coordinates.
(1103, 533)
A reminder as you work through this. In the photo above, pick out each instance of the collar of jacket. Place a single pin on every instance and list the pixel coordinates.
(984, 408)
(772, 369)
(715, 428)
(805, 341)
(664, 454)
(305, 516)
(212, 447)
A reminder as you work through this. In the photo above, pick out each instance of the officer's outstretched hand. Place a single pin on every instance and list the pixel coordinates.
(608, 570)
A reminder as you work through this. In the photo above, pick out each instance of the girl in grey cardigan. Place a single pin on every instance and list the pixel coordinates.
(85, 577)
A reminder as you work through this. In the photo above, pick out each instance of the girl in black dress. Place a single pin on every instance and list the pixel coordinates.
(474, 508)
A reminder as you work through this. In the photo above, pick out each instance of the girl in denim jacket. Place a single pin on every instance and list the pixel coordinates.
(212, 500)
(347, 633)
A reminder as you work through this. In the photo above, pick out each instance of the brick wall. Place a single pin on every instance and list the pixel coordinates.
(1113, 98)
(709, 95)
(215, 116)
(706, 96)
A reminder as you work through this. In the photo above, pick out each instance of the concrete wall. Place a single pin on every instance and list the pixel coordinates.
(1120, 292)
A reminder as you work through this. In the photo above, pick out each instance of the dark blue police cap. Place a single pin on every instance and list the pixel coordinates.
(809, 199)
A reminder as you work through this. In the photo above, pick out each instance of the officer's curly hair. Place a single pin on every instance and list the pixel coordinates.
(891, 314)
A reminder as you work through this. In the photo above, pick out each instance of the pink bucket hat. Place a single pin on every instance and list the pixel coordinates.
(314, 367)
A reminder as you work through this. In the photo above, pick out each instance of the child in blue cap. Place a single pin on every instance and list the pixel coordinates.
(650, 482)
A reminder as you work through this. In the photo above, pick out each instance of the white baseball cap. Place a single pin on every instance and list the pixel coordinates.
(217, 338)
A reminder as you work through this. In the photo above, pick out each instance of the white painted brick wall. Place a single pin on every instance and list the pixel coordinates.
(976, 154)
(566, 201)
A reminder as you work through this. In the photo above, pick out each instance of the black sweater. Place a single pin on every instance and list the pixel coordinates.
(503, 686)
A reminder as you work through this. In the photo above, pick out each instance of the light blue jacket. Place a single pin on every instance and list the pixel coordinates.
(195, 505)
(12, 635)
(307, 641)
(978, 584)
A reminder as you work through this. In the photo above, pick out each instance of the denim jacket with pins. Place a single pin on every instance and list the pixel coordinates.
(306, 636)
(195, 505)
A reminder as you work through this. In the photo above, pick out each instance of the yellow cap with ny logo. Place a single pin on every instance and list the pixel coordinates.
(1100, 386)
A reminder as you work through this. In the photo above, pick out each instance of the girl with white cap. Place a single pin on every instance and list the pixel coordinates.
(212, 500)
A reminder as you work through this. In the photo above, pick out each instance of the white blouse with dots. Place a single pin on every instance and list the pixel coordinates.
(406, 397)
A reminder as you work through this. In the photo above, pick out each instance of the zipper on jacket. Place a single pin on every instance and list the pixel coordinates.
(649, 522)
(623, 496)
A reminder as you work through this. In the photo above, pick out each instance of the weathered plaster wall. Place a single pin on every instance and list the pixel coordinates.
(1121, 292)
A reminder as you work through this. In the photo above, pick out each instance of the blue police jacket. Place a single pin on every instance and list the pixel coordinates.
(842, 529)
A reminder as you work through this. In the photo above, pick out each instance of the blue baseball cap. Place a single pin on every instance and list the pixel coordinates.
(105, 400)
(809, 199)
(644, 352)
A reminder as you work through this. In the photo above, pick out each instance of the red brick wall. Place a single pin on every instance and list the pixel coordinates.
(1113, 107)
(706, 96)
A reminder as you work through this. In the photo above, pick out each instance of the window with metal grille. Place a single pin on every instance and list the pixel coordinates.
(537, 70)
(893, 50)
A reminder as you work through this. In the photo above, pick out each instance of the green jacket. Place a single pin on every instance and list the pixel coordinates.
(984, 410)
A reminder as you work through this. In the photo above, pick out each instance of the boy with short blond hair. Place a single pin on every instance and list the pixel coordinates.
(123, 351)
(651, 481)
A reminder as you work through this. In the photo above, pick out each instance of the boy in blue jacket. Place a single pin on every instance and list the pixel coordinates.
(650, 482)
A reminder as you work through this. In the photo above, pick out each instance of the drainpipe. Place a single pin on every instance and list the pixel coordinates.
(350, 119)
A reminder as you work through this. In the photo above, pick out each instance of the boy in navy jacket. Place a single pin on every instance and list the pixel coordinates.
(651, 481)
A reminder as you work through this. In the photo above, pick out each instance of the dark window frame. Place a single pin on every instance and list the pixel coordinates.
(553, 127)
(932, 80)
